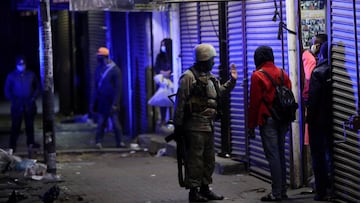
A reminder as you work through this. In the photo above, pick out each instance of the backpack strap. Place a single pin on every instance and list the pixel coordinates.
(273, 83)
(271, 79)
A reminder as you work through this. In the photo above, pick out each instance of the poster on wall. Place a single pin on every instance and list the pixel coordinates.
(313, 20)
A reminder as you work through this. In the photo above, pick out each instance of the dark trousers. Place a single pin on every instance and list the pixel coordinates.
(200, 158)
(16, 120)
(321, 154)
(102, 120)
(273, 140)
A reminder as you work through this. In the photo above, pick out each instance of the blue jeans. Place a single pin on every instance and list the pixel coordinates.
(273, 140)
(102, 124)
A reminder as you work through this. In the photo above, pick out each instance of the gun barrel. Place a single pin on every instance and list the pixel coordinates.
(170, 137)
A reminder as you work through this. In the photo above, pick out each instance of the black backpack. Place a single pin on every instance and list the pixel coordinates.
(284, 105)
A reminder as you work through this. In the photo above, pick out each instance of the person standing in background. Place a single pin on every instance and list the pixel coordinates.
(106, 98)
(163, 66)
(310, 59)
(22, 88)
(272, 131)
(319, 119)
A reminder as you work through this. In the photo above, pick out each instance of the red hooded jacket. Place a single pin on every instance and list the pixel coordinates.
(262, 89)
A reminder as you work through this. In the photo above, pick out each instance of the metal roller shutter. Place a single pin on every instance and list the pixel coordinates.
(62, 63)
(139, 60)
(96, 39)
(209, 33)
(189, 29)
(345, 99)
(261, 30)
(238, 95)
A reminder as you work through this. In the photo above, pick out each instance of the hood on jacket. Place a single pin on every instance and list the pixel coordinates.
(323, 51)
(263, 54)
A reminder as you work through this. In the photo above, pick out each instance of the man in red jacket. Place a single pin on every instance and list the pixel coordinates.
(262, 93)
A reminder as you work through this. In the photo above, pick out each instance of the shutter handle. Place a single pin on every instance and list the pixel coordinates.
(353, 123)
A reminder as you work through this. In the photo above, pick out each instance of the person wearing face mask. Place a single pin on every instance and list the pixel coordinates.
(196, 108)
(319, 118)
(310, 59)
(106, 97)
(163, 67)
(22, 88)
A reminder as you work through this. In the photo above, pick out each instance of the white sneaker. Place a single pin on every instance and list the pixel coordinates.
(98, 145)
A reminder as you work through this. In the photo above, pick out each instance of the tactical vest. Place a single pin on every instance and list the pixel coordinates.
(203, 99)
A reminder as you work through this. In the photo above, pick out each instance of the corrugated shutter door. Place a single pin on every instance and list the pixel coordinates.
(209, 32)
(261, 30)
(345, 99)
(97, 38)
(189, 27)
(139, 50)
(237, 103)
(63, 72)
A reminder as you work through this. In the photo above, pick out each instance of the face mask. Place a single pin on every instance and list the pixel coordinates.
(100, 60)
(163, 49)
(209, 66)
(20, 68)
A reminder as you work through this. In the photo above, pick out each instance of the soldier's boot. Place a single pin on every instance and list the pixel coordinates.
(195, 196)
(210, 195)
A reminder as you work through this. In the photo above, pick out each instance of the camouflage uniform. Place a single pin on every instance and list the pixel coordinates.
(196, 110)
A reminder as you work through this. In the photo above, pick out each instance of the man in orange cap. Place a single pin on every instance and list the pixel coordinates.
(106, 98)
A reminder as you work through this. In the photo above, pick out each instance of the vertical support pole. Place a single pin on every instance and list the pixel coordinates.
(47, 81)
(295, 175)
(224, 76)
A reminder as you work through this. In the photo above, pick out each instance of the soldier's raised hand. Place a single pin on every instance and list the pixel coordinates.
(233, 71)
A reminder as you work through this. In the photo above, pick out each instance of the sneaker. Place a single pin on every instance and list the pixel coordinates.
(99, 145)
(10, 151)
(270, 198)
(284, 196)
(210, 195)
(195, 196)
(121, 145)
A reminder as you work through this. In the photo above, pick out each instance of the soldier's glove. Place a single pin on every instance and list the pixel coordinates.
(251, 133)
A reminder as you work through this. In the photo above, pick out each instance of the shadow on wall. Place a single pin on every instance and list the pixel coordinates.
(345, 104)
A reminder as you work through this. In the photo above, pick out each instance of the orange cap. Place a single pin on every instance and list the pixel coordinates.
(103, 51)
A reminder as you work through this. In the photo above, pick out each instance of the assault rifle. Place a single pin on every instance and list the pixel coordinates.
(180, 154)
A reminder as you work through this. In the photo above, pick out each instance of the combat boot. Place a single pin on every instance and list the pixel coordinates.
(210, 195)
(195, 196)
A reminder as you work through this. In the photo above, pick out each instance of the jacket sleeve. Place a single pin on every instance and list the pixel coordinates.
(315, 89)
(183, 92)
(8, 87)
(117, 83)
(255, 100)
(227, 86)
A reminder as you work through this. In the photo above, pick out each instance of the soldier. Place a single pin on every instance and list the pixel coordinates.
(196, 108)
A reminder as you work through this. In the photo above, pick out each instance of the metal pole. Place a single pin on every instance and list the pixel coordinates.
(224, 75)
(47, 81)
(293, 52)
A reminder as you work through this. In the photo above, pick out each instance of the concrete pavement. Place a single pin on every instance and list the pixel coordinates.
(125, 175)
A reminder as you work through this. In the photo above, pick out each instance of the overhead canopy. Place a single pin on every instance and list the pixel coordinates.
(86, 5)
